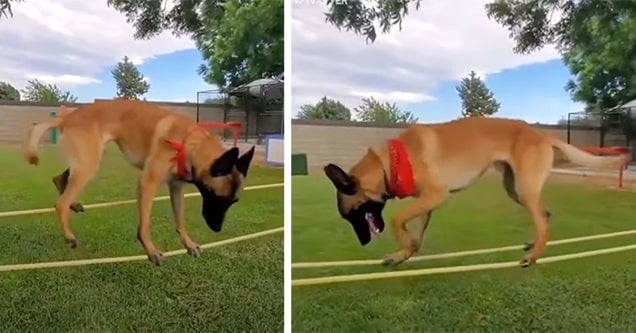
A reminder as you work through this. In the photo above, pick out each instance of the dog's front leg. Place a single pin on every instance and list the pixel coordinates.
(422, 206)
(176, 200)
(146, 189)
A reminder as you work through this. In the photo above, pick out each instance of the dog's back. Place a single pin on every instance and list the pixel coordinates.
(119, 118)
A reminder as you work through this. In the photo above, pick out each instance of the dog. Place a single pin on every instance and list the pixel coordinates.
(169, 148)
(429, 162)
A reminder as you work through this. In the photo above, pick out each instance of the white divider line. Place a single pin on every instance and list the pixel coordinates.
(457, 254)
(84, 262)
(122, 202)
(453, 269)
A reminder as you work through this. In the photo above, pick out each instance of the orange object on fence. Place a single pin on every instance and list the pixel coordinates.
(233, 126)
(616, 150)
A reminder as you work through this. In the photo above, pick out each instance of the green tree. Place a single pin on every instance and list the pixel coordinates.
(241, 40)
(372, 110)
(363, 16)
(8, 92)
(5, 8)
(477, 99)
(36, 91)
(130, 82)
(596, 39)
(246, 44)
(325, 109)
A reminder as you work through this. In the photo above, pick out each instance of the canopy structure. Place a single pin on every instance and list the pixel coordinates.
(257, 105)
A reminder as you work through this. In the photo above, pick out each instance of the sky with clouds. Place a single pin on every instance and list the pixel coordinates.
(419, 66)
(75, 44)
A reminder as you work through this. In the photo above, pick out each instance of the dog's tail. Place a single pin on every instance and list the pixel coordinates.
(35, 132)
(583, 158)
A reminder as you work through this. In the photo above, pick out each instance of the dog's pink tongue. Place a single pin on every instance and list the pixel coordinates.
(373, 228)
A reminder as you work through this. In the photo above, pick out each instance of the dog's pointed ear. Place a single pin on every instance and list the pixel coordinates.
(243, 162)
(340, 179)
(224, 164)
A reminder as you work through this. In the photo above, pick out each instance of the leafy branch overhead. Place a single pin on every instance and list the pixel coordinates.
(596, 38)
(362, 16)
(240, 40)
(5, 8)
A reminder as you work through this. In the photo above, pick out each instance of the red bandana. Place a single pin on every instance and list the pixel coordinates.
(401, 183)
(180, 156)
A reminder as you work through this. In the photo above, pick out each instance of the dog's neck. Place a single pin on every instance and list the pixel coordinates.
(202, 150)
(371, 172)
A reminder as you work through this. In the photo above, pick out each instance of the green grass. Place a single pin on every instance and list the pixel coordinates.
(583, 295)
(235, 288)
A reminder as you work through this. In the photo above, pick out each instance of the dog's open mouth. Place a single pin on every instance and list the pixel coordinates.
(373, 226)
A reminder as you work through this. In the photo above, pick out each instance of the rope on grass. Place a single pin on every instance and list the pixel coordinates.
(84, 262)
(456, 254)
(121, 202)
(454, 269)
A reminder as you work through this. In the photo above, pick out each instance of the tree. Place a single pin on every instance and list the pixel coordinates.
(325, 109)
(5, 8)
(246, 44)
(372, 110)
(597, 40)
(36, 91)
(130, 82)
(241, 40)
(362, 16)
(477, 99)
(8, 92)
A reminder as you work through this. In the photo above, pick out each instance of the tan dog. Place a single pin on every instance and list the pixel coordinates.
(432, 161)
(150, 138)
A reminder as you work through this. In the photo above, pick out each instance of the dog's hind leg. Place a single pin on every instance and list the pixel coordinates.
(509, 185)
(533, 163)
(83, 151)
(61, 181)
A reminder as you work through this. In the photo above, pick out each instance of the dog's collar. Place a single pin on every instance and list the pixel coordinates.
(180, 156)
(400, 183)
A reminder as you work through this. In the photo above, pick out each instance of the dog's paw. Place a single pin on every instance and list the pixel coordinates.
(393, 259)
(528, 246)
(156, 258)
(527, 261)
(77, 207)
(72, 242)
(194, 250)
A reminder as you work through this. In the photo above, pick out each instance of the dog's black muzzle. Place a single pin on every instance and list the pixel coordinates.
(366, 220)
(214, 208)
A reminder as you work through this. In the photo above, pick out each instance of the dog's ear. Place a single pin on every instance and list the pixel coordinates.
(340, 179)
(243, 162)
(224, 164)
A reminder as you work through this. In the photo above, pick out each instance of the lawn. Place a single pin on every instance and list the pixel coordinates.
(593, 294)
(234, 288)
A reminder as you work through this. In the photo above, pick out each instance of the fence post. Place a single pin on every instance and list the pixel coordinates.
(53, 130)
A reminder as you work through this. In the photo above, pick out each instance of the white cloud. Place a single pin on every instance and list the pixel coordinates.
(67, 42)
(442, 41)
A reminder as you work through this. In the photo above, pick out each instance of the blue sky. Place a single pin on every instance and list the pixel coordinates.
(172, 77)
(419, 66)
(534, 92)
